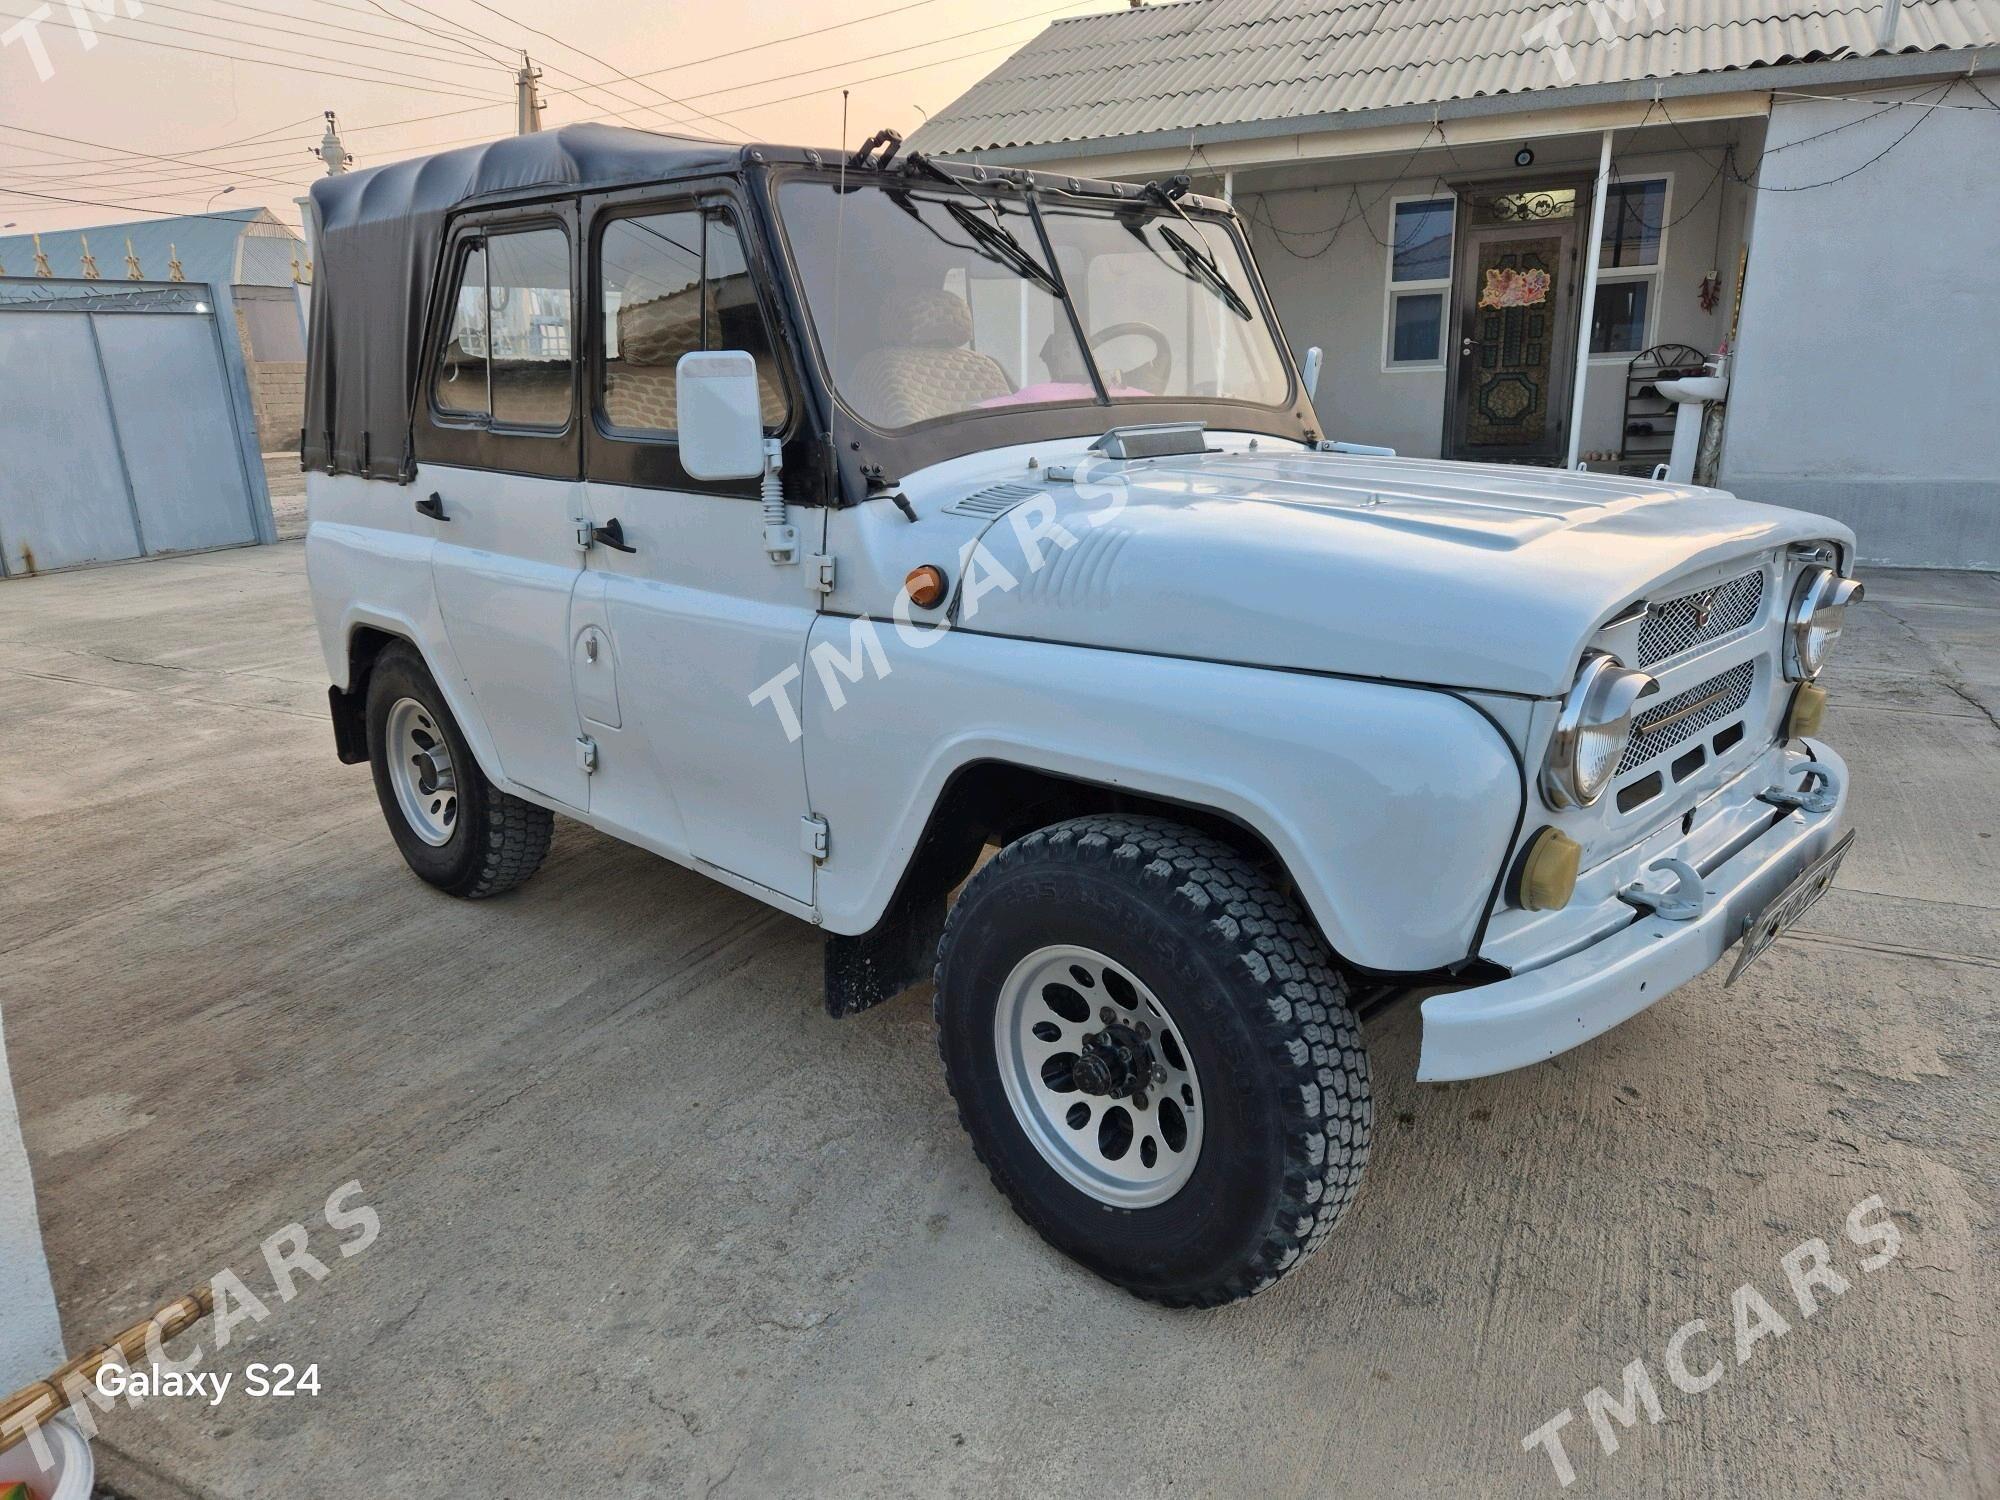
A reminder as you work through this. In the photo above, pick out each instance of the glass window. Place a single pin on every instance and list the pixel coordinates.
(1634, 214)
(1416, 328)
(928, 303)
(1421, 250)
(1155, 327)
(1536, 206)
(460, 384)
(659, 305)
(528, 327)
(1618, 320)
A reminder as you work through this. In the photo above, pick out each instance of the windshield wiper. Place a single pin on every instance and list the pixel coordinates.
(1202, 268)
(1000, 243)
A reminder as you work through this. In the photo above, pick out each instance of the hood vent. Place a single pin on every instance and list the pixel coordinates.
(995, 500)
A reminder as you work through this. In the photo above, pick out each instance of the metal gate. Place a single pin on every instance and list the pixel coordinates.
(125, 425)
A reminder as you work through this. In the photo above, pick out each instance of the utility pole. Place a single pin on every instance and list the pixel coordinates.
(330, 150)
(527, 103)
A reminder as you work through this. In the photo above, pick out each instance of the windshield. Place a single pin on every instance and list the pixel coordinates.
(930, 303)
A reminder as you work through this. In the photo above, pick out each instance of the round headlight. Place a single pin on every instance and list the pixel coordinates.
(1591, 731)
(1819, 609)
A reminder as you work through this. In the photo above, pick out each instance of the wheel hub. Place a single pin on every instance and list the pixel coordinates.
(1099, 1076)
(1115, 1063)
(420, 771)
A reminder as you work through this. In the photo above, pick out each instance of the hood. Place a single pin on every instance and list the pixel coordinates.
(1470, 575)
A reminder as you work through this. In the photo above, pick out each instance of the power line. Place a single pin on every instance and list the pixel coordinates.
(473, 36)
(125, 36)
(160, 213)
(151, 156)
(938, 41)
(593, 57)
(474, 61)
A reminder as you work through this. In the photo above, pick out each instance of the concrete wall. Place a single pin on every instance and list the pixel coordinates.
(1867, 383)
(1332, 291)
(272, 334)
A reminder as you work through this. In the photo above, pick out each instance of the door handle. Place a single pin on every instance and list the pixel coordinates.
(612, 535)
(432, 506)
(1465, 348)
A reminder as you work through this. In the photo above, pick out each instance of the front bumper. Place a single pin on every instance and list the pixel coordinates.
(1532, 1016)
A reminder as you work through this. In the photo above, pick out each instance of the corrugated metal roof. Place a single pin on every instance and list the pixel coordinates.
(1182, 66)
(247, 246)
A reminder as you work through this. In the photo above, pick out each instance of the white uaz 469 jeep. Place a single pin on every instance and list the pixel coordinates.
(821, 525)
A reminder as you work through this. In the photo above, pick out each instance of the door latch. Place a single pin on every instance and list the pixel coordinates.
(586, 753)
(813, 837)
(819, 574)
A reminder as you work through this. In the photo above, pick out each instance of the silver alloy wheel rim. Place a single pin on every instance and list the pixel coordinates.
(1117, 1149)
(421, 772)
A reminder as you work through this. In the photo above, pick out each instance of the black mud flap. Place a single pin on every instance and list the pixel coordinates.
(350, 726)
(901, 949)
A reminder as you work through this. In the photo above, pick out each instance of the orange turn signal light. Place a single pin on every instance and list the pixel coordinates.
(926, 586)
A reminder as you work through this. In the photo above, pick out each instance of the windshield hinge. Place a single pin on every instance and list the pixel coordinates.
(819, 573)
(813, 837)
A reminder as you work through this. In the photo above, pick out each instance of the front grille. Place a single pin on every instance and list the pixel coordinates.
(1681, 624)
(1686, 715)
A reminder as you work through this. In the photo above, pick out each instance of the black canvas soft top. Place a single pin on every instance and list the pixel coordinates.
(380, 232)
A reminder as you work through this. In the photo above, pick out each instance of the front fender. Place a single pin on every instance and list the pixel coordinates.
(1392, 806)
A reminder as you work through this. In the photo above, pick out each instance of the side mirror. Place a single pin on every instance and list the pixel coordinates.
(718, 415)
(1310, 374)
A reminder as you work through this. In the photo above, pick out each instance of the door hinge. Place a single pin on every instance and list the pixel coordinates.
(819, 573)
(813, 838)
(586, 753)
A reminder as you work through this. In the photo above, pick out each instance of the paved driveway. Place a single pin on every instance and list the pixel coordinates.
(651, 1224)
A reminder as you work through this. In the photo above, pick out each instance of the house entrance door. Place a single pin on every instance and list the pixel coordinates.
(1514, 322)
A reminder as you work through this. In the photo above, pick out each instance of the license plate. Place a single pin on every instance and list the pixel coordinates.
(1764, 929)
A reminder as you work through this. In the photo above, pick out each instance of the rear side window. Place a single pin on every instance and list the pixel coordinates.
(509, 354)
(460, 385)
(674, 283)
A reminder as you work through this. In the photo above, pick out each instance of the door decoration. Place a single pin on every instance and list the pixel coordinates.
(1508, 287)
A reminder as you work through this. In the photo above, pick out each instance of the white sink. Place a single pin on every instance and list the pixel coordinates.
(1694, 388)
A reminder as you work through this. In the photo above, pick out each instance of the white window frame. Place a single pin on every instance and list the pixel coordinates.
(1655, 273)
(1392, 289)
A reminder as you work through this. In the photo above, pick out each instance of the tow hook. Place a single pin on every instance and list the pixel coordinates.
(1686, 900)
(1817, 794)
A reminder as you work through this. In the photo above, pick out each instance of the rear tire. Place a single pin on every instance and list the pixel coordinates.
(455, 828)
(1251, 1037)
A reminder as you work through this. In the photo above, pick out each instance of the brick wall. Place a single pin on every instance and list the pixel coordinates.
(278, 395)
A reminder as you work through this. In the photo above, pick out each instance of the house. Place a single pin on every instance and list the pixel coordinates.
(250, 260)
(1813, 188)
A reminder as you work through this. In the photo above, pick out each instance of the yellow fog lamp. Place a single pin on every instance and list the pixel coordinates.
(1547, 877)
(1807, 712)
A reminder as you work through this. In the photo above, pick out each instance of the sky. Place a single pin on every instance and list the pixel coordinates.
(94, 93)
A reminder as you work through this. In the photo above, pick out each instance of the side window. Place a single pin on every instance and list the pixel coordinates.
(460, 384)
(508, 354)
(674, 283)
(528, 327)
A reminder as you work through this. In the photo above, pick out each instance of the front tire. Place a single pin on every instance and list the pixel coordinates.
(1154, 1056)
(455, 828)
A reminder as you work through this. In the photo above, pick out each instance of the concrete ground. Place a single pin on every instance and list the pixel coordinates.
(651, 1224)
